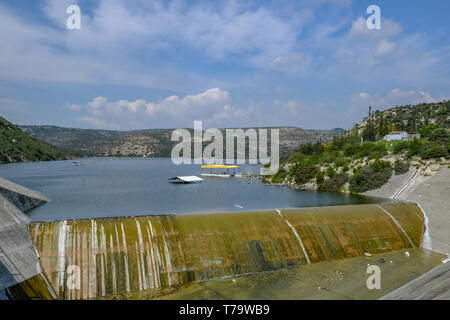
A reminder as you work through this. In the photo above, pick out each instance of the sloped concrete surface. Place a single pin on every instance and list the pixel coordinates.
(433, 285)
(23, 198)
(18, 257)
(433, 193)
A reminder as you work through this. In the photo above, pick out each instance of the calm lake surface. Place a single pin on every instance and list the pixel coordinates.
(107, 187)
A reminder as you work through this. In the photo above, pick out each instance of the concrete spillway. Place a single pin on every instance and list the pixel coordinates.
(117, 257)
(20, 271)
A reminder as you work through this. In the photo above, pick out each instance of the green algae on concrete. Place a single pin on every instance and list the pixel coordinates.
(35, 288)
(156, 255)
(338, 280)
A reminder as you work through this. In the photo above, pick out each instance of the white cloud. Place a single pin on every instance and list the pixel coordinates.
(384, 48)
(213, 106)
(201, 104)
(359, 29)
(292, 63)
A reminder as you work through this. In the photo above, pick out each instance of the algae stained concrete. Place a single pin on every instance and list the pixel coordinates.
(338, 280)
(153, 255)
(433, 193)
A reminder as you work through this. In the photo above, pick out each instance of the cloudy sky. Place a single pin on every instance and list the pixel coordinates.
(138, 64)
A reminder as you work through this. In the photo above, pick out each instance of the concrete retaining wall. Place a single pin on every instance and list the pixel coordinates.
(19, 261)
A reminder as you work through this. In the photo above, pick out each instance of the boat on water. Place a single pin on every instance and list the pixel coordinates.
(221, 171)
(185, 179)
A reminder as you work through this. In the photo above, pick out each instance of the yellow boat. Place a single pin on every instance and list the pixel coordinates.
(221, 171)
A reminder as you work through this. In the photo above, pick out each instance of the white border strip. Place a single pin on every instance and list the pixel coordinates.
(296, 234)
(426, 240)
(398, 224)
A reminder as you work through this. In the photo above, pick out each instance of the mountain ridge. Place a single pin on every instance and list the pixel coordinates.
(148, 142)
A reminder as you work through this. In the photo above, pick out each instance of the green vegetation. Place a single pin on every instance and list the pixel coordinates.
(334, 184)
(359, 157)
(303, 171)
(371, 177)
(401, 167)
(18, 146)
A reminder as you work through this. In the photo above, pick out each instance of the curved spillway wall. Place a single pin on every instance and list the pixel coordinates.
(119, 256)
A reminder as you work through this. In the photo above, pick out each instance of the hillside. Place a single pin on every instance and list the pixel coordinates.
(150, 143)
(408, 118)
(359, 161)
(68, 137)
(18, 146)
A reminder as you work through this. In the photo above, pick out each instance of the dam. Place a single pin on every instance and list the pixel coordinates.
(265, 254)
(155, 256)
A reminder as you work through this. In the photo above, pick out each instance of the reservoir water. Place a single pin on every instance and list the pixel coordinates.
(108, 187)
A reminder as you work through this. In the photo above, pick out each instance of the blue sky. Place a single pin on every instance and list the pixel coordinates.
(163, 64)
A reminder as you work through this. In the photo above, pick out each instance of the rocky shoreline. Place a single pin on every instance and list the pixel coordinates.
(419, 169)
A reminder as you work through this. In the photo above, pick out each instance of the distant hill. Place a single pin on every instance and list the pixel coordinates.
(68, 137)
(338, 130)
(149, 143)
(18, 146)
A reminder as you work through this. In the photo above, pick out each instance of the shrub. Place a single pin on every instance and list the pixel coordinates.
(427, 130)
(399, 146)
(401, 167)
(439, 134)
(339, 162)
(281, 174)
(380, 164)
(414, 147)
(320, 177)
(335, 184)
(345, 168)
(331, 172)
(430, 151)
(367, 178)
(303, 172)
(350, 150)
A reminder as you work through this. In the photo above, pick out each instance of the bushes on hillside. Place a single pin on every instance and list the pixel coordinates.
(320, 177)
(367, 149)
(331, 172)
(439, 134)
(281, 174)
(399, 146)
(430, 151)
(371, 177)
(414, 147)
(427, 130)
(303, 172)
(401, 167)
(335, 184)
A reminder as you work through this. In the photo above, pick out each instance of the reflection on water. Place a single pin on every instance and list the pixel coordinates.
(105, 187)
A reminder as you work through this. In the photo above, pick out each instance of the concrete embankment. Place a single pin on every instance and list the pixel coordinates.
(433, 194)
(20, 271)
(433, 285)
(431, 189)
(119, 257)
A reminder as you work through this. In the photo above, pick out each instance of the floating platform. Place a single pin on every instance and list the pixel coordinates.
(185, 179)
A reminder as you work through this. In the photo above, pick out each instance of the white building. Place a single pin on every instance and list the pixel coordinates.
(400, 135)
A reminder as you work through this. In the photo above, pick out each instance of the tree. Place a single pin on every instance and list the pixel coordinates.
(370, 133)
(382, 128)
